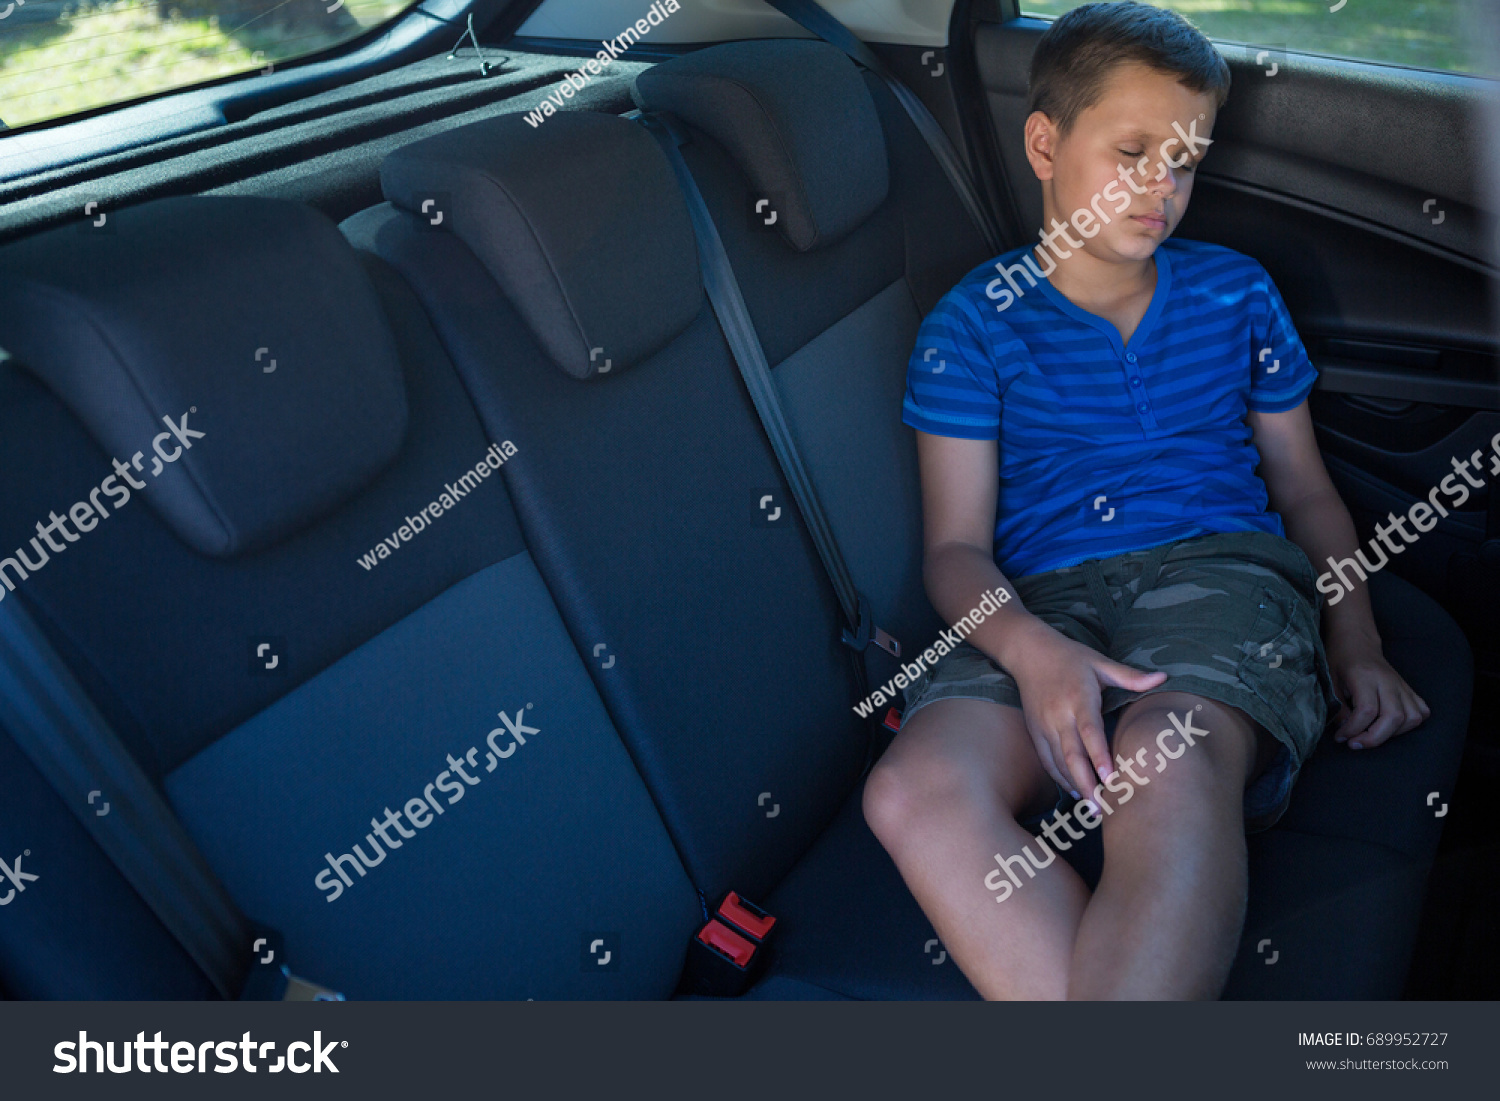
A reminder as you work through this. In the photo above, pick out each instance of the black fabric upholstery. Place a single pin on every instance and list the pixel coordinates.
(250, 318)
(160, 634)
(1328, 918)
(712, 636)
(793, 296)
(552, 211)
(1381, 797)
(838, 324)
(850, 926)
(798, 120)
(83, 933)
(270, 769)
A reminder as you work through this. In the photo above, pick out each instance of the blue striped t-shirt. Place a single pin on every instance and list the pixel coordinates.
(1107, 448)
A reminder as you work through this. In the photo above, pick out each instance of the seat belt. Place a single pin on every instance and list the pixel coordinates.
(739, 330)
(812, 16)
(57, 726)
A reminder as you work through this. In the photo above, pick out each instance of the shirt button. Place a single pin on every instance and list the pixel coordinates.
(1135, 382)
(1129, 357)
(1142, 407)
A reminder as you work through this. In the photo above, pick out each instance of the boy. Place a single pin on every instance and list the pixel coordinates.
(1090, 417)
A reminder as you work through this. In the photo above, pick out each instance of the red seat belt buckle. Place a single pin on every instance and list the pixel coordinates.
(727, 943)
(745, 916)
(729, 951)
(892, 720)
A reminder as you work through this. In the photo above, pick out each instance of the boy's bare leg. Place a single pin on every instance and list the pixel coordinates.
(942, 800)
(1165, 920)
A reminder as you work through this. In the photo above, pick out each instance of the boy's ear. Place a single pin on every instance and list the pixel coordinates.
(1041, 144)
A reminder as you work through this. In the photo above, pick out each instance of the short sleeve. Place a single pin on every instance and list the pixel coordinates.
(1281, 374)
(951, 384)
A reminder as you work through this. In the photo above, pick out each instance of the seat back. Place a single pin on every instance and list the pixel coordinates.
(320, 629)
(843, 232)
(649, 493)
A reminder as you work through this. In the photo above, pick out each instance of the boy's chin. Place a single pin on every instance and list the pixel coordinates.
(1139, 245)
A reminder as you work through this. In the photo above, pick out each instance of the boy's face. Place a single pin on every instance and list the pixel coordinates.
(1126, 139)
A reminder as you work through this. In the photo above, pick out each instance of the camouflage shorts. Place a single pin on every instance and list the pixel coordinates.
(1231, 617)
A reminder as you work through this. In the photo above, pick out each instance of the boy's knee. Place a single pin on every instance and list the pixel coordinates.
(1182, 746)
(901, 791)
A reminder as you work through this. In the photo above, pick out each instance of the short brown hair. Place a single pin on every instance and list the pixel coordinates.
(1079, 51)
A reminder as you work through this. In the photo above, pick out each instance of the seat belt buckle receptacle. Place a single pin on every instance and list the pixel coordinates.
(729, 951)
(867, 632)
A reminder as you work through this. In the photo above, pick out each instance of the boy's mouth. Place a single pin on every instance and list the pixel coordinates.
(1151, 221)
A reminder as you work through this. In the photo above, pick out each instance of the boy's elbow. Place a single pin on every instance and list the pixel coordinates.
(940, 560)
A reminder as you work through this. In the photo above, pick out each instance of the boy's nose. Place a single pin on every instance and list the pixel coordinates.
(1164, 179)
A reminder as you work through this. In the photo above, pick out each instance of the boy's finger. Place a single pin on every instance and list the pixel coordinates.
(1361, 709)
(1417, 711)
(1389, 718)
(1049, 763)
(1078, 764)
(1123, 676)
(1408, 714)
(1043, 743)
(1426, 712)
(1091, 731)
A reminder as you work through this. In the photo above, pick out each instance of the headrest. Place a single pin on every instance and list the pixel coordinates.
(250, 321)
(798, 119)
(578, 219)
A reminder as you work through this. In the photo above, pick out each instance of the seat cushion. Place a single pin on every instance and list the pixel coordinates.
(1328, 918)
(849, 925)
(1380, 796)
(538, 832)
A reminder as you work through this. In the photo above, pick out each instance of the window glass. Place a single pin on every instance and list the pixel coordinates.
(58, 57)
(1425, 34)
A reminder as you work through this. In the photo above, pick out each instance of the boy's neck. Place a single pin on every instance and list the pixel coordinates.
(1088, 282)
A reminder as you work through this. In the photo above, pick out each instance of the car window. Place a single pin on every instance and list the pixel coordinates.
(1431, 34)
(59, 57)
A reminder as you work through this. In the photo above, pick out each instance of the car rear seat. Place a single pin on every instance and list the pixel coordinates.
(567, 290)
(868, 235)
(862, 277)
(330, 415)
(643, 482)
(780, 118)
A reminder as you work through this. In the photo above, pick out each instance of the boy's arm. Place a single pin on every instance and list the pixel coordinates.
(1059, 679)
(1382, 704)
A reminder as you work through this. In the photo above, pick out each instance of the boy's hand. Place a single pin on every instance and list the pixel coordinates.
(1378, 704)
(1060, 682)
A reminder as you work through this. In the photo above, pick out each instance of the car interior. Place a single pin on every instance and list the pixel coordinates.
(305, 313)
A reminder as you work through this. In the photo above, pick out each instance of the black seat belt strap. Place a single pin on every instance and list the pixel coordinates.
(813, 17)
(57, 726)
(739, 330)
